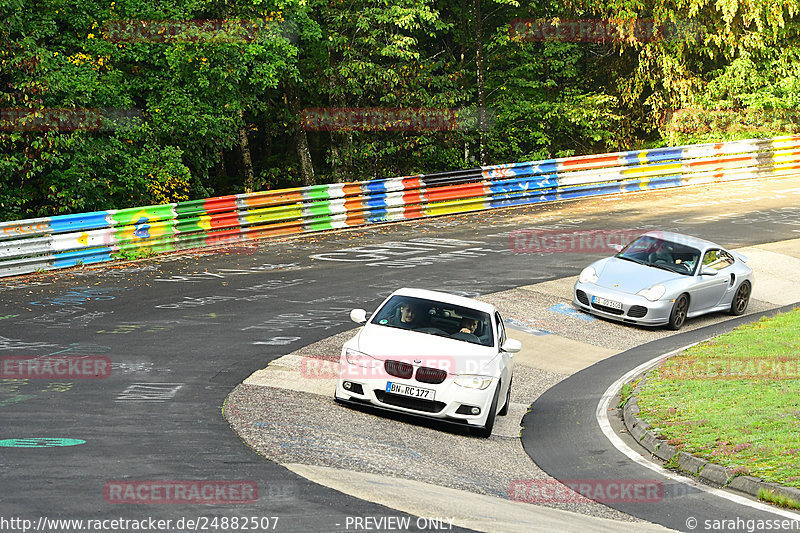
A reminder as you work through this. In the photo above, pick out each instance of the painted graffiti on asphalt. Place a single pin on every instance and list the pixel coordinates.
(78, 297)
(10, 286)
(407, 254)
(223, 273)
(142, 327)
(17, 344)
(789, 216)
(15, 391)
(277, 341)
(68, 317)
(275, 284)
(189, 302)
(149, 392)
(314, 319)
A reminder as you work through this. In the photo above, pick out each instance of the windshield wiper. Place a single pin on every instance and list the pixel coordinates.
(631, 260)
(663, 267)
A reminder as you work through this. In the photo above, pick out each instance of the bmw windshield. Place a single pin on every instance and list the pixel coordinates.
(436, 318)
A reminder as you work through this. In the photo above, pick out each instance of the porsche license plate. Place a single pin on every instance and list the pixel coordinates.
(608, 303)
(410, 390)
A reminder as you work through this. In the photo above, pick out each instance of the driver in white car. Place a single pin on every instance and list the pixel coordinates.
(410, 316)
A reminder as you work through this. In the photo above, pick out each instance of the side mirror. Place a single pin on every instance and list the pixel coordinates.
(511, 346)
(708, 271)
(359, 316)
(617, 247)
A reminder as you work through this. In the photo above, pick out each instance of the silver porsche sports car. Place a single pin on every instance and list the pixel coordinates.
(663, 278)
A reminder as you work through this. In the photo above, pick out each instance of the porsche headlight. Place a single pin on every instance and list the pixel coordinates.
(473, 382)
(360, 359)
(653, 293)
(588, 275)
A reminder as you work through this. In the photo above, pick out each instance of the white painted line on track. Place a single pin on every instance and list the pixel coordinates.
(605, 425)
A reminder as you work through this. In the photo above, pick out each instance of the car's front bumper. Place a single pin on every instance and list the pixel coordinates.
(635, 309)
(451, 403)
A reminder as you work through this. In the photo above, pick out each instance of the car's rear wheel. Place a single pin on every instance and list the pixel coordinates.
(678, 314)
(741, 299)
(486, 431)
(504, 410)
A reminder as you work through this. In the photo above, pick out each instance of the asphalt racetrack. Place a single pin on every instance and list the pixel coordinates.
(180, 332)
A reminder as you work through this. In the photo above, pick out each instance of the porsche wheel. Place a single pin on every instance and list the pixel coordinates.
(741, 299)
(678, 315)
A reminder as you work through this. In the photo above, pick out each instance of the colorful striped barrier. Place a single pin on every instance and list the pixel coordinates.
(69, 240)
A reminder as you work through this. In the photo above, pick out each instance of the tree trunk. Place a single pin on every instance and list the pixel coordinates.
(481, 80)
(462, 58)
(341, 146)
(247, 161)
(341, 141)
(301, 140)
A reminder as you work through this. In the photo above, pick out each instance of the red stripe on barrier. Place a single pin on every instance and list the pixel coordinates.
(220, 204)
(721, 160)
(271, 198)
(589, 161)
(413, 198)
(455, 192)
(354, 214)
(224, 236)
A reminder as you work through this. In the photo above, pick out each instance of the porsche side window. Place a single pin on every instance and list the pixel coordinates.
(717, 259)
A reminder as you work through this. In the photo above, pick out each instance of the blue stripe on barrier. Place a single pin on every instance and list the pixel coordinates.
(663, 182)
(81, 257)
(523, 184)
(373, 187)
(376, 215)
(650, 156)
(79, 222)
(523, 199)
(374, 202)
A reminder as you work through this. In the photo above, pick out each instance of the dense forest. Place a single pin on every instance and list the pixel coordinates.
(112, 104)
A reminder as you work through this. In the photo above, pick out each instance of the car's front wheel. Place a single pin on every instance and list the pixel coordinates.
(678, 314)
(741, 299)
(486, 431)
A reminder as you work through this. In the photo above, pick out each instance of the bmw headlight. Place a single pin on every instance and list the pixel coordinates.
(653, 293)
(360, 359)
(473, 382)
(588, 275)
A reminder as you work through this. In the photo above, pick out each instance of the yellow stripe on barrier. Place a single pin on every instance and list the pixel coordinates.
(450, 207)
(274, 214)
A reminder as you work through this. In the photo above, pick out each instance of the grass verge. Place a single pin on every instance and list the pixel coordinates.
(734, 400)
(777, 499)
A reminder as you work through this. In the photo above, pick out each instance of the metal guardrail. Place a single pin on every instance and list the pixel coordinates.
(69, 240)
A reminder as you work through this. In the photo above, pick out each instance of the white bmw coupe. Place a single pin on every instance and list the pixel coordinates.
(430, 354)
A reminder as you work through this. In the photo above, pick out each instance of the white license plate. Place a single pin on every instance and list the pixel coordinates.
(608, 303)
(410, 390)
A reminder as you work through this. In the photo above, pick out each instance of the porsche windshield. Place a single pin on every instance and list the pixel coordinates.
(436, 318)
(659, 253)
